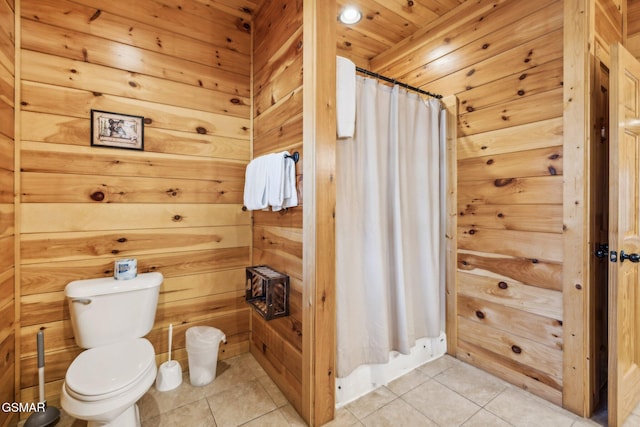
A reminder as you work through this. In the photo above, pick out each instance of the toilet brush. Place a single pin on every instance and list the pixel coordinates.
(170, 372)
(46, 415)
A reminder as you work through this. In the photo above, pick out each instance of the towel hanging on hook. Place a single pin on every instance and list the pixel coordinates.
(271, 181)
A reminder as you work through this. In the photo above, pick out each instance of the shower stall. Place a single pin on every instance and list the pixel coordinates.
(391, 239)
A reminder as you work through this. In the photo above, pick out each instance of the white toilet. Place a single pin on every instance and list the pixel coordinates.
(109, 319)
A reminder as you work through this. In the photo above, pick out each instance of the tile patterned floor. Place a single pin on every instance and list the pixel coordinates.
(445, 392)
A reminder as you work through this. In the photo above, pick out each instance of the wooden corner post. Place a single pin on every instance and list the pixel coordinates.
(578, 21)
(319, 142)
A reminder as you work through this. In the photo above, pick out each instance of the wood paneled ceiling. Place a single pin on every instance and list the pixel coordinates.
(384, 24)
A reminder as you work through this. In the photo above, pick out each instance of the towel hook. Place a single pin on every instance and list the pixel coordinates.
(295, 156)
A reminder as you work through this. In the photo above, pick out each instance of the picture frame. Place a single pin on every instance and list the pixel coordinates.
(116, 130)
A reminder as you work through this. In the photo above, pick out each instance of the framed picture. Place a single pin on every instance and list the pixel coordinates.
(117, 130)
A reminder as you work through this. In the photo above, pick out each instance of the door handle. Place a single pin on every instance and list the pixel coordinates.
(631, 257)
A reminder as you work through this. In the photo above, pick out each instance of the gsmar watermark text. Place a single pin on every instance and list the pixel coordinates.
(23, 406)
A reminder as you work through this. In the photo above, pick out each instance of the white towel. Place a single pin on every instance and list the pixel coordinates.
(275, 179)
(270, 180)
(345, 97)
(290, 194)
(282, 183)
(255, 184)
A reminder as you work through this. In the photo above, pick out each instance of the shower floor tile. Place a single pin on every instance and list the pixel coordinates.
(445, 392)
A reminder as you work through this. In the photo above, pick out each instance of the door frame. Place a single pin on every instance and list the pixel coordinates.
(578, 48)
(584, 50)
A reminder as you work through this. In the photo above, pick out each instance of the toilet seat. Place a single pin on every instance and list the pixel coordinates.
(102, 372)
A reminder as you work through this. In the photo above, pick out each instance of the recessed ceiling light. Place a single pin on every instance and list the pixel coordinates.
(350, 15)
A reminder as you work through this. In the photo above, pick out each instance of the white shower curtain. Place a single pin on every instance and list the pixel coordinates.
(387, 226)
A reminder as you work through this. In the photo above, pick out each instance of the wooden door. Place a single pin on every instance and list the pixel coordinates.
(624, 236)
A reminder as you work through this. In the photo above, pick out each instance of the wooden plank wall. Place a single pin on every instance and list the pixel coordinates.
(277, 236)
(633, 27)
(609, 22)
(176, 206)
(504, 62)
(7, 228)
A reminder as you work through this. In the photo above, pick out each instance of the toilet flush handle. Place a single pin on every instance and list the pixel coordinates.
(85, 301)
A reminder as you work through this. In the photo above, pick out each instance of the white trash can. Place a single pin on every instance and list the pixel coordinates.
(202, 352)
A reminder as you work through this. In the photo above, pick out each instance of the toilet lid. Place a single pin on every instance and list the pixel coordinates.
(104, 370)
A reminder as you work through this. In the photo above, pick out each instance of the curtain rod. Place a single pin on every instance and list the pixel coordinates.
(395, 82)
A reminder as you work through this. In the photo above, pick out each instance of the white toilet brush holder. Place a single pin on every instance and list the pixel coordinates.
(170, 372)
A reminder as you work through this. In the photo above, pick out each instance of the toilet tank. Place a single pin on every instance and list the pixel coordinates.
(105, 310)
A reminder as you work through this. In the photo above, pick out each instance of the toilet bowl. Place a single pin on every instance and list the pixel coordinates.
(109, 319)
(103, 384)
